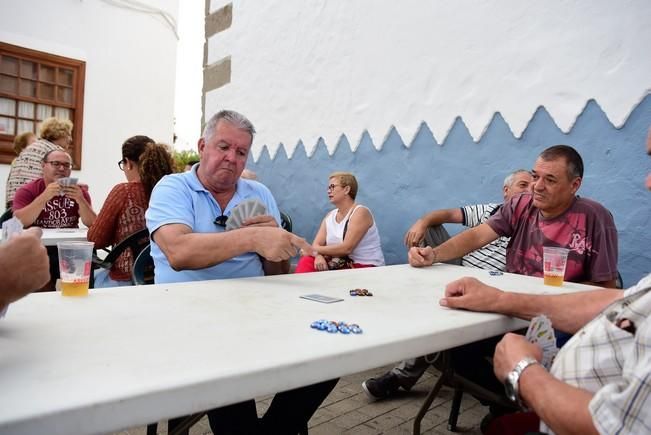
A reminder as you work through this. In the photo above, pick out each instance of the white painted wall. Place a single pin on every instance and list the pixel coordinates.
(130, 69)
(189, 74)
(322, 68)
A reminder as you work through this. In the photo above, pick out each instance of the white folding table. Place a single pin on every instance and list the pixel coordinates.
(53, 235)
(130, 356)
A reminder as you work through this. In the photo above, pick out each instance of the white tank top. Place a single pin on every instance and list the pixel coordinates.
(368, 250)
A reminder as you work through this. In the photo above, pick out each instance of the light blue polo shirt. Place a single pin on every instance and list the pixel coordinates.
(182, 199)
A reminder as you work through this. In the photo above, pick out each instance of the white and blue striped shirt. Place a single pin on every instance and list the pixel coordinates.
(493, 255)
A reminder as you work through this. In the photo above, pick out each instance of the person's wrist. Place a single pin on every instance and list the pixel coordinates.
(512, 381)
(499, 301)
(251, 236)
(435, 256)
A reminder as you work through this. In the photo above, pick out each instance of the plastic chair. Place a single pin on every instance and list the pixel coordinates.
(143, 268)
(285, 222)
(136, 242)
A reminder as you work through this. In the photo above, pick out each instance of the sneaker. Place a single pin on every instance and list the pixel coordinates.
(383, 386)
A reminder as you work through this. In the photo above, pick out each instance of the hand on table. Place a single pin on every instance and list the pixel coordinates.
(510, 351)
(470, 294)
(421, 257)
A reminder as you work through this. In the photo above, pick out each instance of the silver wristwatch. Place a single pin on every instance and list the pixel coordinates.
(512, 382)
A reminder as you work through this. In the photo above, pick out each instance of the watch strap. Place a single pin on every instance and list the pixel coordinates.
(514, 377)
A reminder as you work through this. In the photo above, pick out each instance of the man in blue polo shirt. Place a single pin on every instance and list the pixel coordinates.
(187, 217)
(187, 214)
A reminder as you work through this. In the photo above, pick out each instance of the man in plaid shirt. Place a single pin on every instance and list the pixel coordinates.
(600, 381)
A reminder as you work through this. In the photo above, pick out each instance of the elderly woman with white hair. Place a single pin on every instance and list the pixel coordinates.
(348, 236)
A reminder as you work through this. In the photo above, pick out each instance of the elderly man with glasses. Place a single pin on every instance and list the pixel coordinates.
(47, 203)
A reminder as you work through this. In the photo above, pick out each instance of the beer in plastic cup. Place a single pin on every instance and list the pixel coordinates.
(554, 262)
(74, 267)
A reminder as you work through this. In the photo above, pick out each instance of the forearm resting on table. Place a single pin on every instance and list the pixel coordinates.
(568, 312)
(463, 243)
(562, 407)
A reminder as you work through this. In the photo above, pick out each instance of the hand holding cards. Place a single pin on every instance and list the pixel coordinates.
(243, 211)
(67, 181)
(540, 332)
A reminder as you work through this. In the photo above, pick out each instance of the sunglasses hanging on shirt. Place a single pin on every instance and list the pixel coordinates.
(221, 221)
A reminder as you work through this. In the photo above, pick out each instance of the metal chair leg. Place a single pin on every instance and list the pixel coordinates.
(444, 364)
(454, 411)
(182, 425)
(428, 401)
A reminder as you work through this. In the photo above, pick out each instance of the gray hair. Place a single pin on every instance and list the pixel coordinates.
(237, 119)
(508, 181)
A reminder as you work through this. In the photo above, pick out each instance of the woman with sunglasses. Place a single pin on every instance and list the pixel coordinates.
(348, 236)
(123, 213)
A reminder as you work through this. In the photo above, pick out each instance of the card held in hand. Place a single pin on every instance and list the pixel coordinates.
(540, 332)
(243, 211)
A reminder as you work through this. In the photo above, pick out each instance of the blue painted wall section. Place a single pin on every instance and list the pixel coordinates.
(400, 183)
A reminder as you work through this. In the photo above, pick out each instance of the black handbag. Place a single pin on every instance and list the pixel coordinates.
(336, 263)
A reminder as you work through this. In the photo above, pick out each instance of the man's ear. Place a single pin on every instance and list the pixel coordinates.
(201, 144)
(576, 184)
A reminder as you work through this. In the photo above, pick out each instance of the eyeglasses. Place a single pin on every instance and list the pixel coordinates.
(58, 165)
(221, 221)
(121, 165)
(332, 186)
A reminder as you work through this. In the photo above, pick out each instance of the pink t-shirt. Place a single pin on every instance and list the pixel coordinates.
(59, 212)
(586, 228)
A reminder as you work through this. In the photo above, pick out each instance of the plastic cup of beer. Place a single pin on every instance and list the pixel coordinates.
(554, 262)
(74, 267)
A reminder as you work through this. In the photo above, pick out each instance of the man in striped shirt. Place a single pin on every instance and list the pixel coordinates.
(429, 231)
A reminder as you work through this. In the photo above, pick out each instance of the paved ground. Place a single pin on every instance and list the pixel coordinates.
(347, 410)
